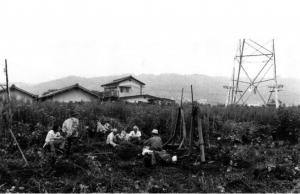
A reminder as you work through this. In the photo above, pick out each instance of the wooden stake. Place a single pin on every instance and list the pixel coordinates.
(10, 115)
(192, 123)
(201, 141)
(208, 131)
(181, 98)
(183, 142)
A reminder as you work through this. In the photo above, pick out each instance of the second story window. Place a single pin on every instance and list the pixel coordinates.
(124, 89)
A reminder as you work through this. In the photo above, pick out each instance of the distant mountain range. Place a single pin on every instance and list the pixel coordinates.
(169, 86)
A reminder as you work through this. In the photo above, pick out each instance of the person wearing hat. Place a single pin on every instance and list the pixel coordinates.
(135, 134)
(70, 129)
(155, 141)
(153, 146)
(111, 138)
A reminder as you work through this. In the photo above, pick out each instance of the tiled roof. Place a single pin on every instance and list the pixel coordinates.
(117, 81)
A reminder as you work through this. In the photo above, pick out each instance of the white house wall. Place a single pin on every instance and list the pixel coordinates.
(74, 95)
(134, 90)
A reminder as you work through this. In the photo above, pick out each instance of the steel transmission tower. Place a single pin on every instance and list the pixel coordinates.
(254, 77)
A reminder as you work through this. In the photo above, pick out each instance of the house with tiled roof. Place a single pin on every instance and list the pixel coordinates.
(18, 94)
(74, 93)
(126, 86)
(129, 89)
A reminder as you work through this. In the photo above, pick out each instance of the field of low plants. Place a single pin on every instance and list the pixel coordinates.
(248, 149)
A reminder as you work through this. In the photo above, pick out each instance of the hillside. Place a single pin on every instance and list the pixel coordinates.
(169, 86)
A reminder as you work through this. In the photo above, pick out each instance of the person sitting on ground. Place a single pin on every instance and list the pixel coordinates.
(111, 138)
(100, 127)
(135, 134)
(54, 139)
(70, 129)
(154, 142)
(123, 136)
(154, 148)
(107, 127)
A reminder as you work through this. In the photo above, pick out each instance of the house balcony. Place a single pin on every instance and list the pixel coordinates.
(111, 94)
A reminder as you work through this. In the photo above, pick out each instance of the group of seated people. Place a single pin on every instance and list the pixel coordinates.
(114, 137)
(153, 147)
(57, 138)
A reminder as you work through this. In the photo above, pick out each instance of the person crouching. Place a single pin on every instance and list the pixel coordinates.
(54, 140)
(152, 145)
(154, 148)
(154, 142)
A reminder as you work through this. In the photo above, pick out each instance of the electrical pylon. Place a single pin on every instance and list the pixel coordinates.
(254, 73)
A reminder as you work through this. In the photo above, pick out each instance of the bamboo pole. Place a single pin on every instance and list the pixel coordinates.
(201, 141)
(183, 142)
(208, 131)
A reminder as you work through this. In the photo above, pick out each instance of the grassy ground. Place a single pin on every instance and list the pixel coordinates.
(269, 167)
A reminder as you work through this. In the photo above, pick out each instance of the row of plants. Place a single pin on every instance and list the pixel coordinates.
(34, 119)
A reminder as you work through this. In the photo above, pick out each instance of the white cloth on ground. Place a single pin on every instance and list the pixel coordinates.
(146, 150)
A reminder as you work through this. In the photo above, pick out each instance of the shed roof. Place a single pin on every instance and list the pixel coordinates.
(62, 90)
(14, 87)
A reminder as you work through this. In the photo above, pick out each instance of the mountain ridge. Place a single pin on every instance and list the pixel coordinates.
(168, 85)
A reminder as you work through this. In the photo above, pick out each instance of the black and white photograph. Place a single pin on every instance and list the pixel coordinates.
(149, 96)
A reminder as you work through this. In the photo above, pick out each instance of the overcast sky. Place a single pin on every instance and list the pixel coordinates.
(45, 40)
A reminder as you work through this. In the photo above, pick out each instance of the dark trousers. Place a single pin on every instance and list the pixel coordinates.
(70, 141)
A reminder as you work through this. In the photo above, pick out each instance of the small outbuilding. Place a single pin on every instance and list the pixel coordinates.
(74, 93)
(18, 94)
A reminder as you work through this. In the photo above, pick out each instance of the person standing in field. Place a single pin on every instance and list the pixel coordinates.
(70, 129)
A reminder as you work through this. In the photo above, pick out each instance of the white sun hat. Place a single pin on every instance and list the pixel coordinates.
(135, 127)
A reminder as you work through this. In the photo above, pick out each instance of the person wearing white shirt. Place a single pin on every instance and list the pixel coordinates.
(54, 139)
(111, 138)
(100, 127)
(123, 136)
(70, 129)
(135, 133)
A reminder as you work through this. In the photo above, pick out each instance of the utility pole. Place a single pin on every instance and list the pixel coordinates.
(9, 122)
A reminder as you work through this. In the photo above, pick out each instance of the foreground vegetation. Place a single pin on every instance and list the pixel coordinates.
(248, 149)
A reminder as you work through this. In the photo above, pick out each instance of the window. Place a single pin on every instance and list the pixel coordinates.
(124, 89)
